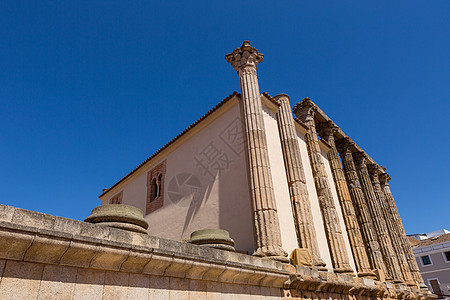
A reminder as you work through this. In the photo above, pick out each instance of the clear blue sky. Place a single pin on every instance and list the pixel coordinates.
(90, 89)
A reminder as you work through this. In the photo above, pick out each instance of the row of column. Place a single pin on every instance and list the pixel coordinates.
(376, 235)
(378, 246)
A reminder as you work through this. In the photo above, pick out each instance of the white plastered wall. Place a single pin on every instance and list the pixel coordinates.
(324, 149)
(281, 189)
(206, 183)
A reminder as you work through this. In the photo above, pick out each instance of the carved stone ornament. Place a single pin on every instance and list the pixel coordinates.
(244, 56)
(305, 111)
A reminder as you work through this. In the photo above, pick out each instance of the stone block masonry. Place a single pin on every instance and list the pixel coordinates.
(48, 257)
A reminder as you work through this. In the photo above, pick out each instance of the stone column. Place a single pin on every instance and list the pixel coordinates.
(391, 225)
(295, 174)
(305, 112)
(265, 216)
(326, 131)
(344, 147)
(378, 220)
(400, 230)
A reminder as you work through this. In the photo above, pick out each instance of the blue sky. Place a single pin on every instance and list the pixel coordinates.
(90, 89)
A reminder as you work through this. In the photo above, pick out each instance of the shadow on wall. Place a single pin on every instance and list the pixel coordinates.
(219, 184)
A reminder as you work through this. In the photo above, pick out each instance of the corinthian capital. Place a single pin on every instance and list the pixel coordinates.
(305, 111)
(326, 131)
(282, 98)
(373, 169)
(384, 178)
(345, 145)
(360, 157)
(244, 56)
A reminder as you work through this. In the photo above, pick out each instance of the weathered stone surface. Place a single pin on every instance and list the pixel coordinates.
(326, 131)
(138, 286)
(345, 147)
(214, 238)
(179, 288)
(295, 174)
(267, 228)
(159, 288)
(57, 282)
(79, 254)
(24, 280)
(391, 225)
(116, 285)
(305, 111)
(136, 261)
(89, 284)
(6, 213)
(20, 280)
(46, 249)
(198, 270)
(400, 230)
(69, 226)
(34, 219)
(178, 267)
(117, 213)
(158, 265)
(13, 244)
(301, 257)
(109, 258)
(197, 290)
(2, 267)
(213, 291)
(378, 220)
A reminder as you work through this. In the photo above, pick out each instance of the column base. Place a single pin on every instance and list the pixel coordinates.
(275, 253)
(411, 283)
(319, 264)
(369, 275)
(345, 270)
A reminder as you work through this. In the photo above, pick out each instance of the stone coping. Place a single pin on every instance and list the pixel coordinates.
(41, 238)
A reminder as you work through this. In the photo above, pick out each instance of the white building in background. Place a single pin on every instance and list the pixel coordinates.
(433, 258)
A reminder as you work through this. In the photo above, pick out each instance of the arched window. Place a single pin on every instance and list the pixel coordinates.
(159, 185)
(155, 188)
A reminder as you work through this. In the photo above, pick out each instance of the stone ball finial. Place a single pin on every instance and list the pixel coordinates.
(121, 216)
(214, 238)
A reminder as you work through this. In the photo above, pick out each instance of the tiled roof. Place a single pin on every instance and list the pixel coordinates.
(271, 99)
(434, 240)
(220, 104)
(413, 242)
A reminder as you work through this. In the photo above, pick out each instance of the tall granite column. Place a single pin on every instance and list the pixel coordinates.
(344, 147)
(391, 225)
(305, 111)
(400, 230)
(326, 131)
(378, 220)
(295, 174)
(265, 216)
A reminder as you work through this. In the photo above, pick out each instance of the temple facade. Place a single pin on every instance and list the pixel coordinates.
(279, 180)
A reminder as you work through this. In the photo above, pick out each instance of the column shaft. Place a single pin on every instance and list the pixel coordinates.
(333, 231)
(265, 216)
(400, 230)
(361, 209)
(295, 174)
(391, 225)
(361, 259)
(378, 219)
